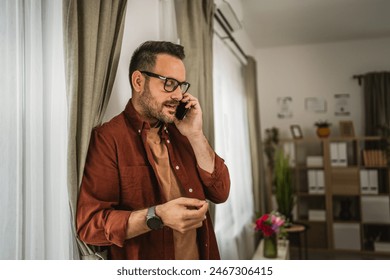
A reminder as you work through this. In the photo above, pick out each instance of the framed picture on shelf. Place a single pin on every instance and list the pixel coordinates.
(346, 129)
(296, 131)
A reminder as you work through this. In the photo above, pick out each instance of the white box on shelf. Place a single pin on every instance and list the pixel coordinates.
(317, 215)
(346, 236)
(375, 209)
(315, 161)
(381, 246)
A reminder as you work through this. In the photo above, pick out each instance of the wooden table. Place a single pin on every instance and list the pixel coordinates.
(297, 230)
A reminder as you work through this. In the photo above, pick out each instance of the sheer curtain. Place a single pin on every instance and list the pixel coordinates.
(35, 220)
(233, 218)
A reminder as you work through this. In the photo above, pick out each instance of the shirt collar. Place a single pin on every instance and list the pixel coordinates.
(137, 122)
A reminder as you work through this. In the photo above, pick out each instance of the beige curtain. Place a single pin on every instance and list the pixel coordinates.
(195, 31)
(254, 134)
(93, 32)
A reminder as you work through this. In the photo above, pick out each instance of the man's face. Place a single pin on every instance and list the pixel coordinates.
(156, 103)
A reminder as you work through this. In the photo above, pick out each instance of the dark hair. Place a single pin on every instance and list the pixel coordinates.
(144, 57)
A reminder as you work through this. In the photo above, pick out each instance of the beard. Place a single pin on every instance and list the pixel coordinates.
(153, 110)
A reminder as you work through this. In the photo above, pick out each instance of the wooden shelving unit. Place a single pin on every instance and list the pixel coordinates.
(342, 216)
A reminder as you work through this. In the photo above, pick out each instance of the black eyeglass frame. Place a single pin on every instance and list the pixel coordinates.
(166, 79)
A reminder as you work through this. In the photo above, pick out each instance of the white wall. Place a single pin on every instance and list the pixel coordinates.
(142, 24)
(316, 71)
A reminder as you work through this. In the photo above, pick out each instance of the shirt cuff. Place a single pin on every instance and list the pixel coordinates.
(116, 226)
(209, 179)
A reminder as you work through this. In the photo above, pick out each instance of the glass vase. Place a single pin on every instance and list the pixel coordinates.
(270, 246)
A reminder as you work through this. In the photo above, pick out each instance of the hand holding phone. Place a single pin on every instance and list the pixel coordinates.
(181, 110)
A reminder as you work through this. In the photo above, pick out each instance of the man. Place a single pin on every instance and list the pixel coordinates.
(148, 174)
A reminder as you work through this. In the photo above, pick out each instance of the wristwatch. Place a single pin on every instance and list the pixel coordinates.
(152, 220)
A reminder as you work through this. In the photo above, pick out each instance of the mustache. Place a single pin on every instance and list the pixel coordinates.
(171, 103)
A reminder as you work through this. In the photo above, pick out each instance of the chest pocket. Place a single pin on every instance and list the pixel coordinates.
(138, 187)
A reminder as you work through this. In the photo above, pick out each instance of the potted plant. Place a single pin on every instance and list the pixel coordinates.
(323, 129)
(283, 185)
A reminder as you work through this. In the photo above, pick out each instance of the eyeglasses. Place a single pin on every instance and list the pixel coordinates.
(170, 84)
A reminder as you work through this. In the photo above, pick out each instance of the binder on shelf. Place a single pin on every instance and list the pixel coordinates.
(369, 181)
(364, 183)
(373, 180)
(342, 153)
(312, 181)
(338, 154)
(334, 154)
(320, 182)
(316, 181)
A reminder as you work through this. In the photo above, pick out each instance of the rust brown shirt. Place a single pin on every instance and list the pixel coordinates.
(120, 177)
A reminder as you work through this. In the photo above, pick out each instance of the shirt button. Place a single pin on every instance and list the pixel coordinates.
(177, 167)
(139, 131)
(190, 190)
(168, 141)
(205, 244)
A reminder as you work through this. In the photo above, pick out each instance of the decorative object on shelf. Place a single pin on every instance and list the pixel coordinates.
(346, 129)
(323, 128)
(283, 184)
(296, 131)
(345, 210)
(271, 225)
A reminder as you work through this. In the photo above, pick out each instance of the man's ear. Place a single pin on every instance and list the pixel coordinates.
(138, 81)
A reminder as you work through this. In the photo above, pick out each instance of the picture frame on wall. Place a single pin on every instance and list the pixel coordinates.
(346, 129)
(296, 131)
(315, 104)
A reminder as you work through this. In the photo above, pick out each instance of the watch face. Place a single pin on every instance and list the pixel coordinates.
(154, 223)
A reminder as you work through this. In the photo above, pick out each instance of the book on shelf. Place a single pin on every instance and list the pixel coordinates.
(374, 158)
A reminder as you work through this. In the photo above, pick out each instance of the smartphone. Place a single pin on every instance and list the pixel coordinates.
(181, 110)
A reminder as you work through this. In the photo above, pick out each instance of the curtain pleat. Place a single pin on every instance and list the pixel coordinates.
(254, 128)
(93, 31)
(376, 88)
(195, 31)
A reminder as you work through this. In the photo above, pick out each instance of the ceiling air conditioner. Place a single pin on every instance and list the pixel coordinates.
(227, 17)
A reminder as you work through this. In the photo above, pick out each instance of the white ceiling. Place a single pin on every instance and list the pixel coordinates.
(271, 23)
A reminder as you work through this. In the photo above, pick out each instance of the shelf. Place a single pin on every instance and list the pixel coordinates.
(310, 194)
(323, 190)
